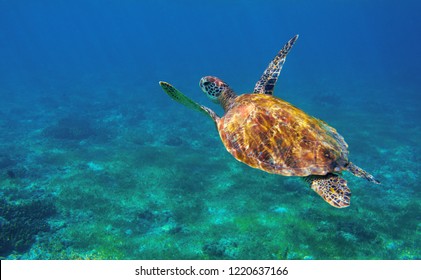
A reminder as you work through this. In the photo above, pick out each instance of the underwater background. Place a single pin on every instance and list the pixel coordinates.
(96, 162)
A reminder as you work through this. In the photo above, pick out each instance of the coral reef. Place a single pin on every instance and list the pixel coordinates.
(20, 224)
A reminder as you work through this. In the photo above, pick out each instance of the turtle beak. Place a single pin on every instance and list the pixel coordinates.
(203, 83)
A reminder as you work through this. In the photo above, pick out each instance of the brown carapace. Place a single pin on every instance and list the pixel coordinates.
(270, 134)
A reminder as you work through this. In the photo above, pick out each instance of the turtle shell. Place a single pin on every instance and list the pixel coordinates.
(270, 134)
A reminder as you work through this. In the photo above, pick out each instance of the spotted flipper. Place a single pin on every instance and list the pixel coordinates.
(181, 98)
(332, 188)
(357, 171)
(267, 82)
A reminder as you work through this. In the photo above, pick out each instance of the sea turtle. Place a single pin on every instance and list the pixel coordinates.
(268, 133)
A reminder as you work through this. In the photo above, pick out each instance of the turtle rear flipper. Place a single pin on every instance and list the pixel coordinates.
(332, 188)
(181, 98)
(359, 172)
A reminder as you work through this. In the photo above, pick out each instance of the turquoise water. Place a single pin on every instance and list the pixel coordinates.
(96, 162)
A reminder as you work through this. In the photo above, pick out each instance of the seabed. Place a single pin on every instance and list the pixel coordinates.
(138, 179)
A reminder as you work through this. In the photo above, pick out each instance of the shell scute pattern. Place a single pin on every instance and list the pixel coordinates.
(271, 134)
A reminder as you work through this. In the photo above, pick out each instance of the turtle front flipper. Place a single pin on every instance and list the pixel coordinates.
(267, 82)
(359, 172)
(181, 98)
(332, 188)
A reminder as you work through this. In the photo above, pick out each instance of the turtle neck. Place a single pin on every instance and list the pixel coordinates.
(227, 99)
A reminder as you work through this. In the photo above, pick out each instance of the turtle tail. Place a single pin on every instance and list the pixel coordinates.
(359, 172)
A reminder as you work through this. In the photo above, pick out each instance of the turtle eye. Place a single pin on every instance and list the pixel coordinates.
(206, 83)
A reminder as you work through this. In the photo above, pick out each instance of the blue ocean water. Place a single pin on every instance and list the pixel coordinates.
(96, 162)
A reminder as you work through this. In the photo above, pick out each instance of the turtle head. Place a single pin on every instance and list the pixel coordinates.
(217, 90)
(213, 87)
